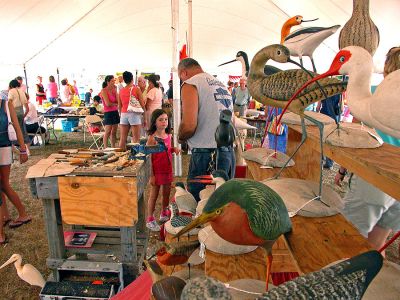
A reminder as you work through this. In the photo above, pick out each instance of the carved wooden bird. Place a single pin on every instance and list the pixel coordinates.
(296, 20)
(276, 90)
(245, 212)
(242, 57)
(164, 288)
(360, 30)
(379, 110)
(176, 253)
(218, 177)
(225, 133)
(27, 272)
(304, 41)
(346, 280)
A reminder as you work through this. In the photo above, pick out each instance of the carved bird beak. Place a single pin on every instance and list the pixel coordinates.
(228, 62)
(309, 20)
(10, 261)
(200, 220)
(204, 179)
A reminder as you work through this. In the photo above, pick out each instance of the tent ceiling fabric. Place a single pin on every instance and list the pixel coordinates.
(123, 34)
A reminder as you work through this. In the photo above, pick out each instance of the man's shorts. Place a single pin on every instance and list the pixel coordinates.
(366, 206)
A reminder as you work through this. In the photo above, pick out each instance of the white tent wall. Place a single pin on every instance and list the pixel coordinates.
(120, 34)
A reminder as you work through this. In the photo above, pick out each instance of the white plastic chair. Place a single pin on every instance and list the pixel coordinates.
(94, 120)
(41, 138)
(242, 128)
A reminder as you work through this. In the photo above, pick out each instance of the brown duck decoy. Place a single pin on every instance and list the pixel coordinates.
(276, 90)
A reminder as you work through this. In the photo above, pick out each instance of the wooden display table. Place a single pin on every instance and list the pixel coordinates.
(316, 242)
(379, 166)
(110, 203)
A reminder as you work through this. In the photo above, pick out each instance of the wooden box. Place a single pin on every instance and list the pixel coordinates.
(104, 201)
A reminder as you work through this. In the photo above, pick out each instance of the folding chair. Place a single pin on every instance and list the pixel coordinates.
(242, 127)
(91, 122)
(38, 137)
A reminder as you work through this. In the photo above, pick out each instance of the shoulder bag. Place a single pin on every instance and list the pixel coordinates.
(134, 104)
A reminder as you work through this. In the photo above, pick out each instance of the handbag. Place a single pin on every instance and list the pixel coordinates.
(12, 135)
(134, 104)
(273, 128)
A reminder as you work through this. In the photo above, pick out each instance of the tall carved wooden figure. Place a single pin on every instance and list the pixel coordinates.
(360, 30)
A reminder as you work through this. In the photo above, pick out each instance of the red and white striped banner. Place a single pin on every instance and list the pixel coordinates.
(234, 78)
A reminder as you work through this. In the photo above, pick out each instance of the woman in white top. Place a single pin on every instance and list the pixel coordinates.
(32, 121)
(153, 98)
(20, 103)
(5, 168)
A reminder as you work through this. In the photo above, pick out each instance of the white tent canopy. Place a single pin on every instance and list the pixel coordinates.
(106, 36)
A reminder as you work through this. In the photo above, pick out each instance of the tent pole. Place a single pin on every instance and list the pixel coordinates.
(190, 32)
(26, 81)
(175, 80)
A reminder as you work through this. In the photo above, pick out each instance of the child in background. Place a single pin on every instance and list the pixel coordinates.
(96, 104)
(160, 129)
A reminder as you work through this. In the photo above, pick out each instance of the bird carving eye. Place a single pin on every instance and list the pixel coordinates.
(278, 52)
(218, 211)
(341, 59)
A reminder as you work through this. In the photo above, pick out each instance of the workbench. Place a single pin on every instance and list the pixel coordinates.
(316, 242)
(109, 203)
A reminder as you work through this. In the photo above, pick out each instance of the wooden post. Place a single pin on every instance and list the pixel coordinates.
(128, 244)
(54, 230)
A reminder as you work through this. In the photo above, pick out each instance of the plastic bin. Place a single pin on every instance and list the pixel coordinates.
(68, 125)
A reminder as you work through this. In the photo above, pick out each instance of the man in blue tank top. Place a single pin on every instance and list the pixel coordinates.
(203, 98)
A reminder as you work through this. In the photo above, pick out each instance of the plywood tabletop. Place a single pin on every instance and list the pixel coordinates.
(379, 166)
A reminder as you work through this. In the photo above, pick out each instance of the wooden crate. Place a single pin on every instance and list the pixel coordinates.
(101, 201)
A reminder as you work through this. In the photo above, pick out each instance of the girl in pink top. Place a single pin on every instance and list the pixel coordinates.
(129, 119)
(161, 178)
(52, 90)
(153, 98)
(111, 116)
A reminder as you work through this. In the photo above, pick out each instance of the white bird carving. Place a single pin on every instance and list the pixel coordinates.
(380, 110)
(27, 272)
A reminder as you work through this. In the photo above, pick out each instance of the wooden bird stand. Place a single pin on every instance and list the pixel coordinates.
(168, 270)
(249, 265)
